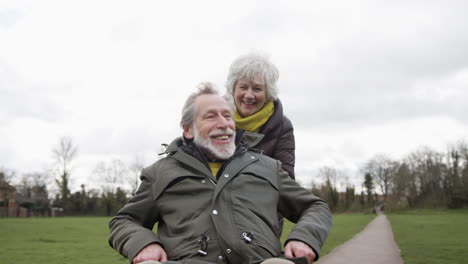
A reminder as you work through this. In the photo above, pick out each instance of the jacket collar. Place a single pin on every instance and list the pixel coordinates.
(185, 154)
(270, 129)
(250, 139)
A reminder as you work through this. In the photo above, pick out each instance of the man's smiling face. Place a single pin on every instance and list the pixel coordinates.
(213, 130)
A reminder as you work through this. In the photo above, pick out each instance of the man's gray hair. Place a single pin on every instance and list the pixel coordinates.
(189, 109)
(251, 66)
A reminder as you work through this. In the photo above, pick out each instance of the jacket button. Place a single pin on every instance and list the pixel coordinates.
(228, 250)
(215, 212)
(220, 257)
(226, 175)
(202, 181)
(252, 157)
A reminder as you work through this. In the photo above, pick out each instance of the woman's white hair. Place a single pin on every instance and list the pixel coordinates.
(257, 68)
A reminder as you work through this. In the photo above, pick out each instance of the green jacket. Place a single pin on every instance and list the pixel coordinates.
(230, 218)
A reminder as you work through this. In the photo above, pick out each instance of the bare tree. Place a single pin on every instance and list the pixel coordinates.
(328, 190)
(64, 153)
(453, 182)
(32, 192)
(463, 149)
(404, 188)
(134, 174)
(382, 169)
(430, 174)
(110, 176)
(330, 174)
(6, 175)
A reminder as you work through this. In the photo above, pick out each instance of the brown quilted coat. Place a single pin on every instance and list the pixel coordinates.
(278, 139)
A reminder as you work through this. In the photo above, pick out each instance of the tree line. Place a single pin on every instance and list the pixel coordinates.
(423, 179)
(113, 183)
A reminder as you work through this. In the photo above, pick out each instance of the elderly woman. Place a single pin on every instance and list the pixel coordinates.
(252, 84)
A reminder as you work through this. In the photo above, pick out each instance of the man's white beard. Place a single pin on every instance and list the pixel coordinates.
(223, 152)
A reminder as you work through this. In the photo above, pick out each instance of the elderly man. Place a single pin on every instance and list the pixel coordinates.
(216, 201)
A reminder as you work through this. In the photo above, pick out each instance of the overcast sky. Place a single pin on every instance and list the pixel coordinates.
(357, 78)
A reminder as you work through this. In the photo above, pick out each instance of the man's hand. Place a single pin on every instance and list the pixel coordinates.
(151, 252)
(294, 249)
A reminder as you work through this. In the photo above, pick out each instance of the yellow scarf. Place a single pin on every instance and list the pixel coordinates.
(254, 122)
(214, 167)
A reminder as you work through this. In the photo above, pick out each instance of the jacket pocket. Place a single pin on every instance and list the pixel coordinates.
(271, 247)
(180, 184)
(262, 172)
(179, 247)
(183, 248)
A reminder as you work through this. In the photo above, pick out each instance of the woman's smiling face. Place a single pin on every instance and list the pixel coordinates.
(249, 97)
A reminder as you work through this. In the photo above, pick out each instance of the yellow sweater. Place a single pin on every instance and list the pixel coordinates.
(214, 167)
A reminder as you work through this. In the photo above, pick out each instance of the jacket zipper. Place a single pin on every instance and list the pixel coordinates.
(212, 182)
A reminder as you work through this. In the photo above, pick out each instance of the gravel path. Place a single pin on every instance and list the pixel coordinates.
(374, 245)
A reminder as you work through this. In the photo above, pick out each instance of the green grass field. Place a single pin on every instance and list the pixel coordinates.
(431, 236)
(71, 240)
(78, 240)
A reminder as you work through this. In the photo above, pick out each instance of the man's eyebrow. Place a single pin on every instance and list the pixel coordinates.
(215, 110)
(209, 111)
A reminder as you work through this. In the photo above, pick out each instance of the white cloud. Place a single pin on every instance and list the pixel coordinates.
(356, 78)
(348, 147)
